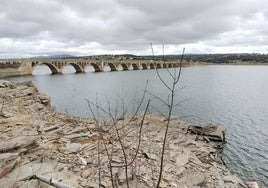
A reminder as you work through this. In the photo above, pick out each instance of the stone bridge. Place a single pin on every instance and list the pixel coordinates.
(26, 66)
(56, 66)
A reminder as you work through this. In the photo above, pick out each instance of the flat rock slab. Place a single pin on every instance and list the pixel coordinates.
(73, 148)
(195, 179)
(20, 176)
(7, 162)
(182, 159)
(233, 179)
(25, 142)
(8, 157)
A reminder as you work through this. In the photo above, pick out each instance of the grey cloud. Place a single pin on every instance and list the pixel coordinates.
(130, 25)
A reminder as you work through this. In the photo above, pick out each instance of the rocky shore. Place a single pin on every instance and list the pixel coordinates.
(40, 147)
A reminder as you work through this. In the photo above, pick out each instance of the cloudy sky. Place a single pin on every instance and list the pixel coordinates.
(87, 27)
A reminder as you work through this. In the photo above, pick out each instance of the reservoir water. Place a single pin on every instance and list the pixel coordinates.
(233, 96)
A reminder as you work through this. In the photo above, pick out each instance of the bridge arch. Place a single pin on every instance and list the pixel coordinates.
(158, 66)
(144, 66)
(52, 67)
(152, 66)
(135, 66)
(165, 65)
(124, 66)
(112, 66)
(77, 67)
(170, 65)
(96, 67)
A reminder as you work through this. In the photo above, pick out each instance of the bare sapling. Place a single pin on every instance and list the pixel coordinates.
(169, 103)
(114, 140)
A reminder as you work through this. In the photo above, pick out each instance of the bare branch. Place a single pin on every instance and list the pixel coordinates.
(140, 133)
(163, 82)
(163, 50)
(158, 98)
(170, 74)
(182, 55)
(152, 49)
(99, 107)
(179, 103)
(141, 102)
(139, 138)
(158, 111)
(179, 89)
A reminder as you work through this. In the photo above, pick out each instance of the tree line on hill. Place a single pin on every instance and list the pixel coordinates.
(209, 58)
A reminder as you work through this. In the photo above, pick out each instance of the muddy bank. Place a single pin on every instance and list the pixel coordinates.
(40, 147)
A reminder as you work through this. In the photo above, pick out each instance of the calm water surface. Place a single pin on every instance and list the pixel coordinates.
(234, 96)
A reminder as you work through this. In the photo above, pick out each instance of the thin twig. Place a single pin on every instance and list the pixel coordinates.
(158, 98)
(163, 82)
(140, 133)
(161, 113)
(98, 126)
(179, 103)
(179, 89)
(140, 103)
(170, 73)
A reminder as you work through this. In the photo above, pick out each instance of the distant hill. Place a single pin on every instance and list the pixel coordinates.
(60, 56)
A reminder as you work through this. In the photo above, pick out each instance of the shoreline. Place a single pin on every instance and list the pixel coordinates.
(39, 143)
(191, 64)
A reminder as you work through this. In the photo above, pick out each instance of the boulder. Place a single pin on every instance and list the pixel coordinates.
(4, 83)
(44, 99)
(82, 161)
(5, 114)
(252, 184)
(86, 173)
(210, 131)
(27, 91)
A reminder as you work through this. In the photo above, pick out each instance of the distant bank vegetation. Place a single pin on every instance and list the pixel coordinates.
(228, 58)
(209, 58)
